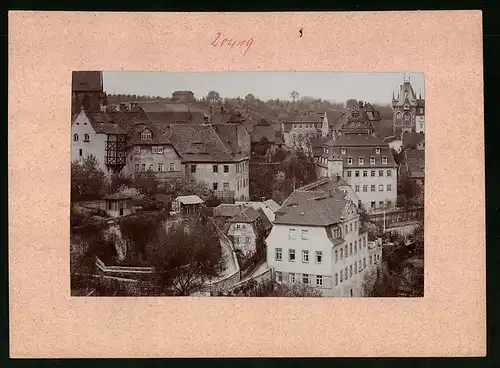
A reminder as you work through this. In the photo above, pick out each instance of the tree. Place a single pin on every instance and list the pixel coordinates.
(118, 180)
(88, 181)
(186, 256)
(294, 95)
(301, 169)
(181, 188)
(213, 97)
(249, 98)
(147, 183)
(273, 289)
(262, 146)
(352, 104)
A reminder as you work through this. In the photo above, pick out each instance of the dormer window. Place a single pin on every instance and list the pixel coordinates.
(146, 135)
(343, 151)
(86, 138)
(361, 161)
(349, 161)
(75, 137)
(137, 149)
(377, 151)
(384, 160)
(372, 160)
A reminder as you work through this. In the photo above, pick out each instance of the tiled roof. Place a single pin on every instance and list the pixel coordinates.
(189, 199)
(227, 210)
(347, 140)
(170, 113)
(366, 153)
(87, 81)
(247, 214)
(127, 119)
(411, 140)
(266, 224)
(198, 143)
(317, 142)
(333, 117)
(103, 123)
(273, 206)
(321, 210)
(158, 134)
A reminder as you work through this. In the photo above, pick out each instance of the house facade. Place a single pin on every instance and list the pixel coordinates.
(183, 96)
(98, 135)
(317, 240)
(150, 151)
(365, 162)
(298, 129)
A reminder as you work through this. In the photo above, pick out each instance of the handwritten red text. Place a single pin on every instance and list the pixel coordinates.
(232, 43)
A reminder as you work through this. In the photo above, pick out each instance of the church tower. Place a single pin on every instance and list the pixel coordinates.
(404, 106)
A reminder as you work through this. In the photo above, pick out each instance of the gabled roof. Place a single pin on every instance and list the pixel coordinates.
(228, 135)
(189, 199)
(227, 210)
(182, 93)
(247, 214)
(322, 210)
(158, 134)
(333, 117)
(272, 205)
(347, 140)
(266, 223)
(101, 122)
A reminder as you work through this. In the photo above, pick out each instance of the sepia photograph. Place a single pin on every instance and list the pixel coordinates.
(247, 184)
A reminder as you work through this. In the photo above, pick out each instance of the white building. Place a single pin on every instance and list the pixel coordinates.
(98, 135)
(365, 162)
(317, 240)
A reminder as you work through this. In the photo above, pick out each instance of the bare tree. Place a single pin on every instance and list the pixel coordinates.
(294, 95)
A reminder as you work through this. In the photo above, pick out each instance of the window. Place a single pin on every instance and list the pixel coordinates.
(86, 138)
(336, 233)
(341, 275)
(345, 273)
(215, 168)
(372, 204)
(389, 172)
(237, 226)
(336, 279)
(350, 227)
(384, 160)
(305, 256)
(237, 238)
(364, 242)
(350, 271)
(137, 149)
(359, 265)
(389, 188)
(193, 168)
(345, 251)
(75, 137)
(364, 262)
(381, 187)
(348, 173)
(357, 188)
(226, 168)
(336, 255)
(291, 255)
(356, 173)
(365, 173)
(80, 152)
(279, 276)
(341, 253)
(291, 278)
(279, 254)
(305, 278)
(356, 268)
(361, 160)
(372, 173)
(150, 167)
(304, 234)
(372, 187)
(293, 136)
(157, 149)
(226, 186)
(160, 167)
(143, 167)
(377, 151)
(131, 158)
(349, 161)
(136, 167)
(370, 260)
(291, 234)
(381, 173)
(372, 160)
(145, 135)
(319, 257)
(171, 166)
(319, 280)
(355, 246)
(365, 188)
(350, 249)
(343, 151)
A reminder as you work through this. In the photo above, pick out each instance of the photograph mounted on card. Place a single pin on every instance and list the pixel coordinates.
(185, 173)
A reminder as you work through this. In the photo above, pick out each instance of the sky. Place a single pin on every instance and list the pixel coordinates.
(341, 86)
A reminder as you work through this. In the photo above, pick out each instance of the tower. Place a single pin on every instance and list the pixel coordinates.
(404, 106)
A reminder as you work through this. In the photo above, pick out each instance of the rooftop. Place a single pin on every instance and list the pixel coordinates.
(189, 199)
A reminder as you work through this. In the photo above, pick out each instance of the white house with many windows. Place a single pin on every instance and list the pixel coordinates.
(317, 240)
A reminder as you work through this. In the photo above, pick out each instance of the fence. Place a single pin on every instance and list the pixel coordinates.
(132, 273)
(394, 217)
